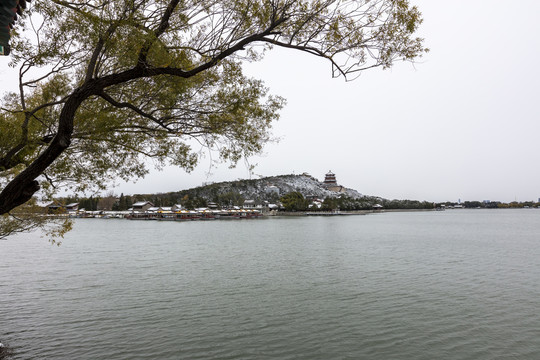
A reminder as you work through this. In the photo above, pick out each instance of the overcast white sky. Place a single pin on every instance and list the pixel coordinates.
(460, 124)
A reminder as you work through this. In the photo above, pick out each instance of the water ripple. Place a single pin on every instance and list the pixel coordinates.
(452, 285)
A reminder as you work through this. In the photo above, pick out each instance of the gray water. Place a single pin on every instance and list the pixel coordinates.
(461, 284)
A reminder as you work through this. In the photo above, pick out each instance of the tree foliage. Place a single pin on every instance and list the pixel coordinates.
(294, 201)
(122, 81)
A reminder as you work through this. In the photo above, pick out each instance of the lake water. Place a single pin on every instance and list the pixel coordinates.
(458, 284)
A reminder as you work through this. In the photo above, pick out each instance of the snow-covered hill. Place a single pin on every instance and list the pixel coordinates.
(265, 187)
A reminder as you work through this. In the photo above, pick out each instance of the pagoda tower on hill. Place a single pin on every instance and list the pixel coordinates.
(330, 183)
(330, 178)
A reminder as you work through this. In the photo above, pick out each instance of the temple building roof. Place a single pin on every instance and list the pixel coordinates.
(330, 178)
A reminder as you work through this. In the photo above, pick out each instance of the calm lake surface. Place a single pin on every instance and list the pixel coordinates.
(458, 284)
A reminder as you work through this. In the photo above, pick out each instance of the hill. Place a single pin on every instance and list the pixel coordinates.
(264, 189)
(282, 184)
(269, 189)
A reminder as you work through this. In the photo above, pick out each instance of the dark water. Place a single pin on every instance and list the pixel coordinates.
(462, 284)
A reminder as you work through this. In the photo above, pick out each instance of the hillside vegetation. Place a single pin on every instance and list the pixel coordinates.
(294, 192)
(273, 189)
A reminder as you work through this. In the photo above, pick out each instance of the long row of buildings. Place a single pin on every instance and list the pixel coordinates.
(145, 210)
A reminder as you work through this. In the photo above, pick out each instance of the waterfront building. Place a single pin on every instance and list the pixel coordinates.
(55, 207)
(73, 207)
(142, 206)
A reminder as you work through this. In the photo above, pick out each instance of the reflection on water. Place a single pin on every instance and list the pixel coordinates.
(456, 285)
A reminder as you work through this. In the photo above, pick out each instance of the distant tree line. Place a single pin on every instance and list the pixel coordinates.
(95, 203)
(292, 201)
(492, 204)
(295, 201)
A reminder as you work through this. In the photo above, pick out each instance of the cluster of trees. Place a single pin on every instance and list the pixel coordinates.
(192, 198)
(492, 204)
(107, 202)
(124, 202)
(407, 204)
(515, 204)
(222, 194)
(295, 201)
(189, 199)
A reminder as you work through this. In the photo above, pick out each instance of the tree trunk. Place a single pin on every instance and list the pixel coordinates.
(24, 186)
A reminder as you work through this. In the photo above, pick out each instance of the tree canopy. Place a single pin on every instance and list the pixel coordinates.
(106, 84)
(294, 201)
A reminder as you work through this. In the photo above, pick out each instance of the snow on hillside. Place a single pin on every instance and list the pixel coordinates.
(307, 186)
(260, 188)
